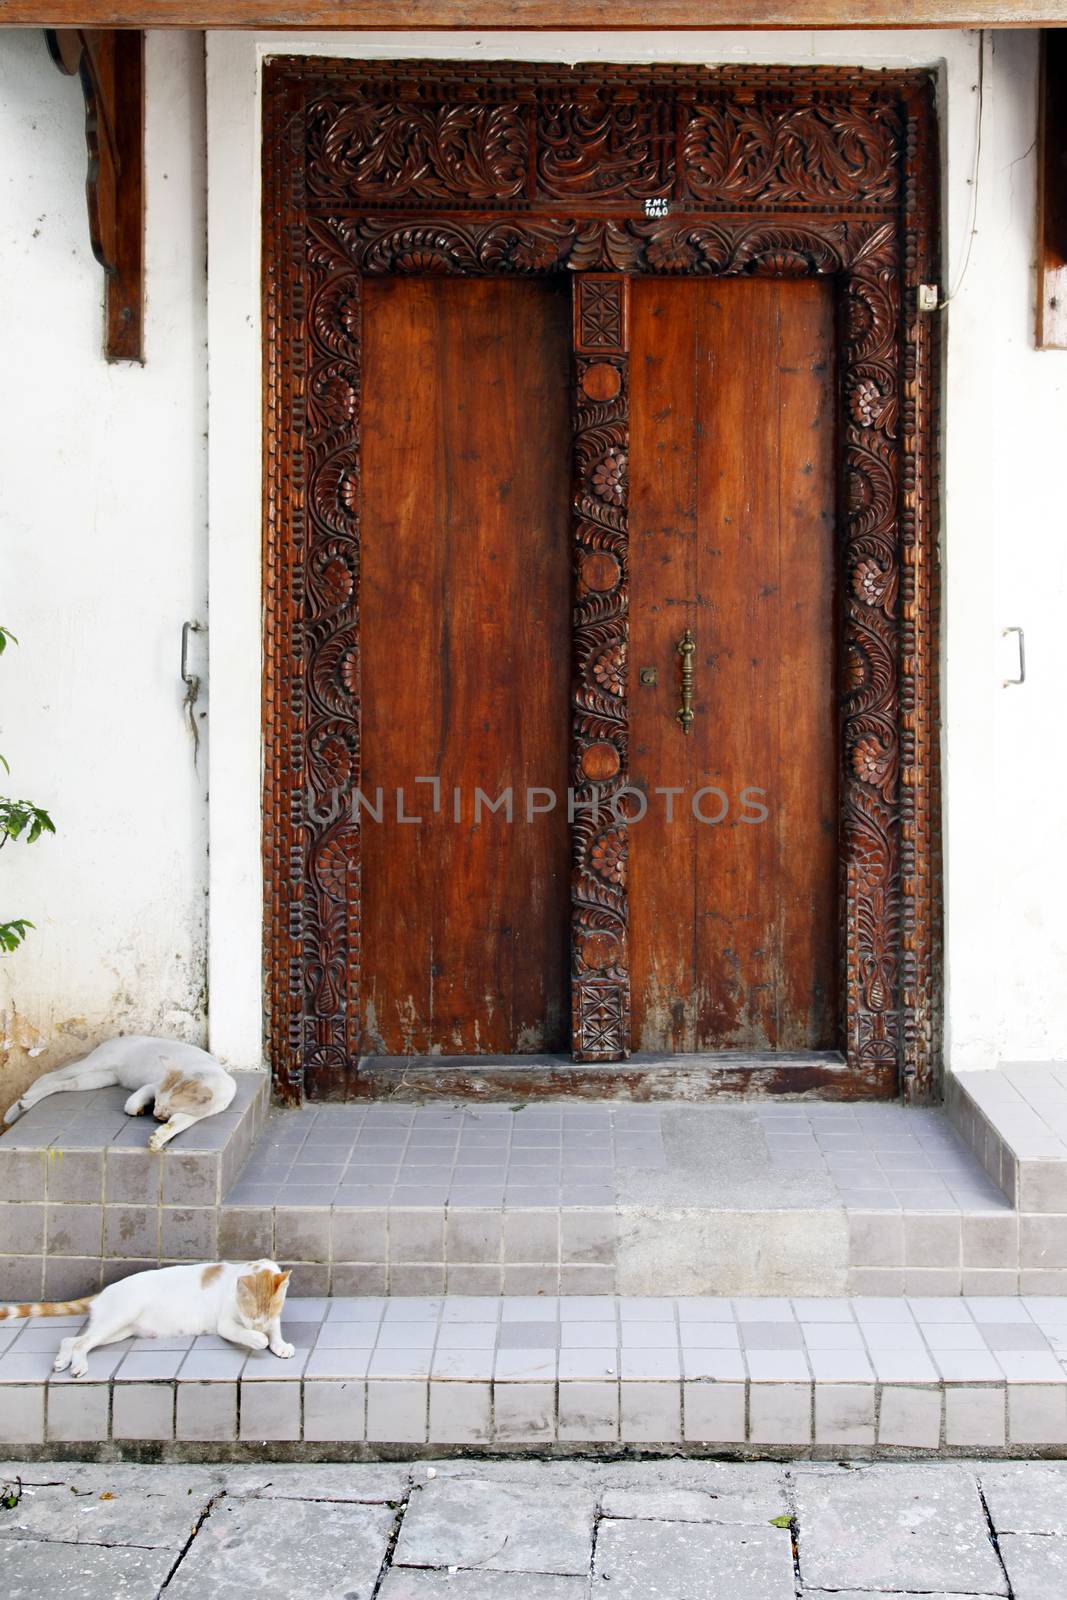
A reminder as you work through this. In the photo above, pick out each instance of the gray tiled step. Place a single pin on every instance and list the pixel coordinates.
(1014, 1118)
(862, 1375)
(766, 1198)
(793, 1198)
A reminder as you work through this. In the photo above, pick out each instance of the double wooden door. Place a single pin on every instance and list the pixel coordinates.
(486, 658)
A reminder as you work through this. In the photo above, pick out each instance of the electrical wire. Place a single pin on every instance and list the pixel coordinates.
(975, 175)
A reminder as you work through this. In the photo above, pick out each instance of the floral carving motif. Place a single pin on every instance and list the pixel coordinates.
(671, 252)
(363, 152)
(766, 153)
(869, 582)
(605, 148)
(609, 668)
(869, 760)
(609, 476)
(336, 394)
(608, 856)
(376, 245)
(331, 577)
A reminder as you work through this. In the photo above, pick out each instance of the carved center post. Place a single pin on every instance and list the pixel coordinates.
(600, 976)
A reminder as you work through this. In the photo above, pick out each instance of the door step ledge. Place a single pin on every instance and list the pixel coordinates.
(645, 1076)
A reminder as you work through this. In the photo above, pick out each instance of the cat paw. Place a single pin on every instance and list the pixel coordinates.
(61, 1363)
(78, 1369)
(257, 1340)
(157, 1142)
(283, 1350)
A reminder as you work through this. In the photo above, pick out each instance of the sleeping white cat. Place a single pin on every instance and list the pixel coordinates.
(240, 1301)
(181, 1083)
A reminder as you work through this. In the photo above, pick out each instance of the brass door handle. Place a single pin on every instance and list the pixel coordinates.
(687, 650)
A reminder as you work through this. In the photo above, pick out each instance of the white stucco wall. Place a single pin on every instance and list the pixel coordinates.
(104, 500)
(103, 532)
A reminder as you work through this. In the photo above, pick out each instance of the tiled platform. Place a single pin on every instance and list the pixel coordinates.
(786, 1198)
(83, 1200)
(546, 1198)
(372, 1375)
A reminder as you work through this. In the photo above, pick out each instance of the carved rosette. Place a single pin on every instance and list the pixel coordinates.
(600, 979)
(430, 168)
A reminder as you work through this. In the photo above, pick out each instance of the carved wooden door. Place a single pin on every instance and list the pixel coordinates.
(508, 541)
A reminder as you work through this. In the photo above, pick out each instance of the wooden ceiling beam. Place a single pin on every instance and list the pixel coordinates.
(405, 15)
(110, 65)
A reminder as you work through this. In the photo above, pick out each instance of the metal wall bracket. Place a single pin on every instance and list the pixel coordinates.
(1009, 682)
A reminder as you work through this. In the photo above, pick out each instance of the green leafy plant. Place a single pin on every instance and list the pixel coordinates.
(19, 819)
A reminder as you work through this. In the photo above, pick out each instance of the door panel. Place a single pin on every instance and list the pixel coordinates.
(466, 660)
(731, 535)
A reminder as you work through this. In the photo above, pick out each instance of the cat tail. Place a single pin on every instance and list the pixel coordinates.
(48, 1308)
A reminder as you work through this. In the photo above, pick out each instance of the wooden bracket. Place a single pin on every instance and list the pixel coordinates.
(110, 64)
(1052, 195)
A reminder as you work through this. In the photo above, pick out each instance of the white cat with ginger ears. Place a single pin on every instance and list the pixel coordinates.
(240, 1301)
(180, 1082)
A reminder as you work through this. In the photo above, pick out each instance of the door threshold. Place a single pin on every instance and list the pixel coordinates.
(735, 1074)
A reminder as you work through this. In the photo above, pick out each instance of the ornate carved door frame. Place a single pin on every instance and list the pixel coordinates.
(602, 172)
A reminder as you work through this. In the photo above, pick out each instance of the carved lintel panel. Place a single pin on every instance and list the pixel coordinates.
(110, 67)
(600, 980)
(433, 168)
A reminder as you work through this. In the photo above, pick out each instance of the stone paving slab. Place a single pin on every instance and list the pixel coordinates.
(650, 1560)
(1036, 1567)
(496, 1527)
(1027, 1498)
(127, 1516)
(89, 1572)
(326, 1550)
(899, 1528)
(344, 1532)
